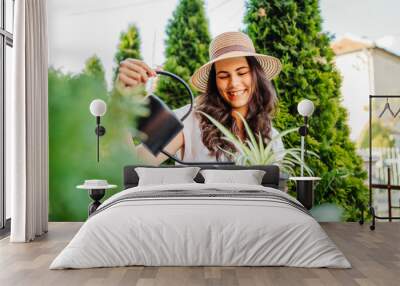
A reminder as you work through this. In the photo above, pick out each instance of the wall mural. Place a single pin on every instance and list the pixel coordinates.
(301, 56)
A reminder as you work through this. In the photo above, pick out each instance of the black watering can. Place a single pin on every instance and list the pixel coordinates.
(162, 125)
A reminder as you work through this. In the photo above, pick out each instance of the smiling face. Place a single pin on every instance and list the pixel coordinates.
(234, 82)
(237, 84)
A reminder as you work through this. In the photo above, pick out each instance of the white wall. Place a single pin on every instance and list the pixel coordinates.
(355, 89)
(387, 72)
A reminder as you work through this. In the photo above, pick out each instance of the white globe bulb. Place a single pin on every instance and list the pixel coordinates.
(98, 107)
(305, 107)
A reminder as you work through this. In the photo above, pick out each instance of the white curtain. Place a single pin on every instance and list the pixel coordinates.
(27, 123)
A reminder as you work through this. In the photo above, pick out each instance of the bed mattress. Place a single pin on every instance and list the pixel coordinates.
(201, 225)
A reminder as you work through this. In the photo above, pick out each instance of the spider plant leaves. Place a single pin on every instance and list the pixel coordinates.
(261, 145)
(255, 151)
(249, 132)
(232, 138)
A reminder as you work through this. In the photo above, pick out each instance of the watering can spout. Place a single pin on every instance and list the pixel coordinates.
(160, 126)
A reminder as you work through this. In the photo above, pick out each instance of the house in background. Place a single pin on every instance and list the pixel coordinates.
(366, 68)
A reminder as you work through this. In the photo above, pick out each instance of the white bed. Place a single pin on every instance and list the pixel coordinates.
(269, 229)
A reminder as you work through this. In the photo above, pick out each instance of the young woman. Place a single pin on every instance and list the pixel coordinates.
(236, 79)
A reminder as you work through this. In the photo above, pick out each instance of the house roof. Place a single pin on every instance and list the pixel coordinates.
(347, 45)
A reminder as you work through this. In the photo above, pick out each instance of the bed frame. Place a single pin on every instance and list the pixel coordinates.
(270, 179)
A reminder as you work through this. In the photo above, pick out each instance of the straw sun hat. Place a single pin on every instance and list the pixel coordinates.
(231, 45)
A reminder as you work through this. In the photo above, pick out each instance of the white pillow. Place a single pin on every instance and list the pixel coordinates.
(165, 176)
(248, 177)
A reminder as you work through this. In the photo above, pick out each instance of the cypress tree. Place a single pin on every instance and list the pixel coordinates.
(187, 44)
(128, 47)
(94, 68)
(291, 31)
(125, 105)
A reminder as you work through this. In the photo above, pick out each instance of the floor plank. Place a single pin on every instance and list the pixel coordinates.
(374, 255)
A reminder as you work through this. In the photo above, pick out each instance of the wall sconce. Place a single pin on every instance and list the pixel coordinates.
(306, 109)
(305, 185)
(98, 108)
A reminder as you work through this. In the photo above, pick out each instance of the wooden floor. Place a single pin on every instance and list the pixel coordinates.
(374, 255)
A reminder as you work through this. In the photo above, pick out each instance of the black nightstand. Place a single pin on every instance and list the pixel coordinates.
(305, 190)
(96, 190)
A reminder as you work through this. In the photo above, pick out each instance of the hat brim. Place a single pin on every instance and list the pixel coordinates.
(270, 65)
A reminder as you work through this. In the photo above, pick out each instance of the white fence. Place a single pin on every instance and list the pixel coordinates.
(382, 159)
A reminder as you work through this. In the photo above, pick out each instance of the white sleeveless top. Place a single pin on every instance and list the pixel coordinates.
(195, 150)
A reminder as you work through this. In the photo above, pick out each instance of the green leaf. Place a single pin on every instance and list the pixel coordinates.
(249, 132)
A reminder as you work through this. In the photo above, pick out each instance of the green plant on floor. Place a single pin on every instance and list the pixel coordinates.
(255, 151)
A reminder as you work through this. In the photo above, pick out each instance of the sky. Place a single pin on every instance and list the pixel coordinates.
(79, 29)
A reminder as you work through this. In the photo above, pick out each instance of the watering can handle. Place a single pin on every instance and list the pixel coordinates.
(174, 76)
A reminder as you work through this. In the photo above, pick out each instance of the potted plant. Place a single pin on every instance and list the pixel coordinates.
(256, 151)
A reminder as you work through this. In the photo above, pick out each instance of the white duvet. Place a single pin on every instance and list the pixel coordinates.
(200, 231)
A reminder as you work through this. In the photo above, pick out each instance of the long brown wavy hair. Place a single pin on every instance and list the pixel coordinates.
(262, 105)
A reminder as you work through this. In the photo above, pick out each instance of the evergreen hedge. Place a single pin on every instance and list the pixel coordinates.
(291, 31)
(187, 44)
(72, 140)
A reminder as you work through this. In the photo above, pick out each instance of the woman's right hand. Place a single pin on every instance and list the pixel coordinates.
(133, 72)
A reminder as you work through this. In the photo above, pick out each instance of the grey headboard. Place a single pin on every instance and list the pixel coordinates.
(271, 177)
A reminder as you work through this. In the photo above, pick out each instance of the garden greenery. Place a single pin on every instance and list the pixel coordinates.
(186, 45)
(287, 29)
(291, 30)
